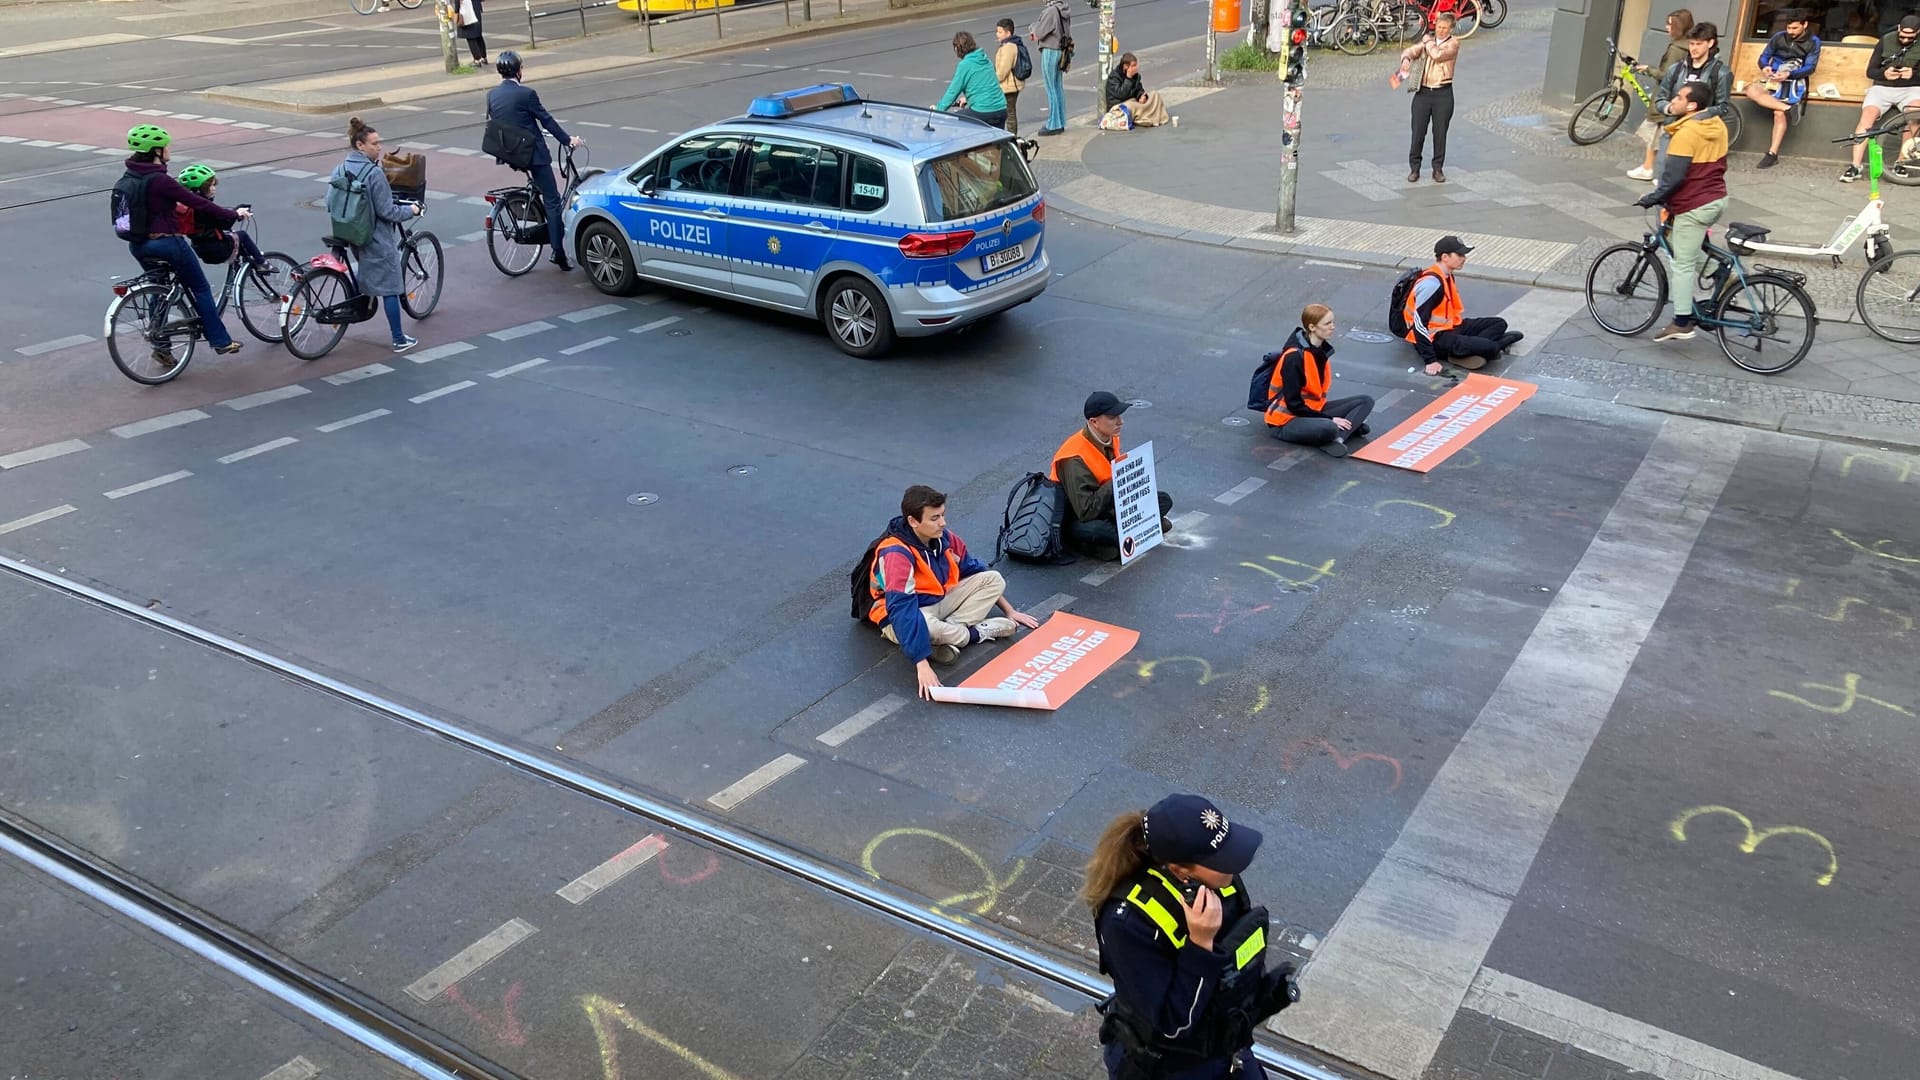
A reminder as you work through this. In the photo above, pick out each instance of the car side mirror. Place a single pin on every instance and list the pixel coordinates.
(646, 185)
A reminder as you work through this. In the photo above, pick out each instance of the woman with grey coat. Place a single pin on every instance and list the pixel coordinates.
(378, 263)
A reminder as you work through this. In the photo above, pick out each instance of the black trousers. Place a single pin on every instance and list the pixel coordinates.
(477, 45)
(550, 199)
(1431, 107)
(1473, 337)
(1101, 539)
(1319, 431)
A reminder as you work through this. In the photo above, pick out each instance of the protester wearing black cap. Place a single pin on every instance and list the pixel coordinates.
(1184, 944)
(1083, 467)
(1893, 67)
(1436, 320)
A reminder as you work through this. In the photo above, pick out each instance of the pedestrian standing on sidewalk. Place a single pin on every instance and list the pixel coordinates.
(1006, 64)
(1678, 24)
(1702, 65)
(975, 88)
(377, 267)
(1433, 98)
(1693, 188)
(469, 18)
(1786, 62)
(1053, 32)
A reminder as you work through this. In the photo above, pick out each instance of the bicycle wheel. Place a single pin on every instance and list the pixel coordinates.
(423, 272)
(314, 290)
(1626, 289)
(1492, 12)
(1410, 20)
(1888, 297)
(150, 340)
(1353, 35)
(1599, 116)
(1766, 327)
(1902, 161)
(364, 7)
(1466, 18)
(513, 216)
(260, 292)
(1733, 121)
(409, 4)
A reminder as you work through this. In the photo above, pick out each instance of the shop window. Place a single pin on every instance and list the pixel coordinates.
(1835, 22)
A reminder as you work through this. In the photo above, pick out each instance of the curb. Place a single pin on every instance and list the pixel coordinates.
(1787, 422)
(294, 101)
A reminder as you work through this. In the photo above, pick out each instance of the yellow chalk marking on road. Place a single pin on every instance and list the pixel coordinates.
(983, 900)
(1447, 517)
(1756, 837)
(1840, 608)
(1875, 549)
(1260, 702)
(1848, 691)
(1900, 469)
(1324, 570)
(1146, 668)
(604, 1015)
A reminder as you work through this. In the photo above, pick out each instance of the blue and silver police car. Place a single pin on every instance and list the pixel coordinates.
(882, 221)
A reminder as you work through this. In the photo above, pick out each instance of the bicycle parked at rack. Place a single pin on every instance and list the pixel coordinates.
(517, 222)
(1359, 26)
(152, 326)
(326, 299)
(1764, 320)
(1604, 110)
(368, 7)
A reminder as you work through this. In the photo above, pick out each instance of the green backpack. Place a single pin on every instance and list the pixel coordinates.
(349, 207)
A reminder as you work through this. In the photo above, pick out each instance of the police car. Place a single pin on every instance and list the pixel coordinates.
(881, 221)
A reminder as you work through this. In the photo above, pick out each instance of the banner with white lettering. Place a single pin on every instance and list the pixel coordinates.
(1438, 431)
(1136, 503)
(1043, 668)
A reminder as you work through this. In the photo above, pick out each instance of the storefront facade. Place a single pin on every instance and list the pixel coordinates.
(1848, 31)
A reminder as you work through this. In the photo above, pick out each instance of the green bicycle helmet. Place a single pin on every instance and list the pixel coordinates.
(195, 177)
(146, 138)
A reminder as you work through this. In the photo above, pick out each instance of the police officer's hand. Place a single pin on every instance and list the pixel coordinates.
(928, 680)
(1203, 917)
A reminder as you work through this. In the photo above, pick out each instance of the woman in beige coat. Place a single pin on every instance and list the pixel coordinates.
(1003, 60)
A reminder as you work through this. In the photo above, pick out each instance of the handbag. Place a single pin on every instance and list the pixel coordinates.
(509, 145)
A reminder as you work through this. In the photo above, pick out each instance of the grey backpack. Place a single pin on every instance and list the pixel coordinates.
(1030, 527)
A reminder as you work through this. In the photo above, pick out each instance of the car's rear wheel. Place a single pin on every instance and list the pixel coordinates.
(608, 260)
(857, 318)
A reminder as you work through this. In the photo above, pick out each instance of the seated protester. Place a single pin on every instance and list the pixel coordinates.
(975, 86)
(1083, 467)
(212, 242)
(1297, 407)
(931, 597)
(1437, 323)
(1786, 62)
(1125, 88)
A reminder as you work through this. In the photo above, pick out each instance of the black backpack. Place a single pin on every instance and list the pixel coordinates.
(1397, 302)
(129, 198)
(1022, 63)
(861, 581)
(1262, 383)
(1030, 526)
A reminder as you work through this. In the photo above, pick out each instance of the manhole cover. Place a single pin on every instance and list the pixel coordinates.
(1373, 337)
(681, 332)
(1140, 403)
(742, 470)
(643, 498)
(1235, 421)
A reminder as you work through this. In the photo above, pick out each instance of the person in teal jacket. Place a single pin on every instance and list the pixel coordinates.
(976, 86)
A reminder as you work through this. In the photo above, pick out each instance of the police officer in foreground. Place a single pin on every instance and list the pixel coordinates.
(1184, 944)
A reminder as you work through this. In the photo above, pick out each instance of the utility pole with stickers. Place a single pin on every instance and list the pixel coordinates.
(1293, 74)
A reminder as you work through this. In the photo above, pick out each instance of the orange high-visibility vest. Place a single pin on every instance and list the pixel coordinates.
(1313, 394)
(1081, 445)
(1446, 315)
(925, 581)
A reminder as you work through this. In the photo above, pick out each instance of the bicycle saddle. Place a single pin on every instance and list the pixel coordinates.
(1740, 230)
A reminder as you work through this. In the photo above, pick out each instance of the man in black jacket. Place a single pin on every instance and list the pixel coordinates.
(1895, 86)
(519, 106)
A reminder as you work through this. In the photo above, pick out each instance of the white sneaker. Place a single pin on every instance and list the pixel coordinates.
(1641, 173)
(995, 628)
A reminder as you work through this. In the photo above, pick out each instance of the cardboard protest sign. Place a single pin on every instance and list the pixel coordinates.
(1046, 667)
(1136, 503)
(1437, 432)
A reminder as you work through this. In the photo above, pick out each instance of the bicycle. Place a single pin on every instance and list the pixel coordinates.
(368, 7)
(1357, 30)
(325, 298)
(152, 327)
(517, 222)
(1468, 15)
(1604, 110)
(1627, 288)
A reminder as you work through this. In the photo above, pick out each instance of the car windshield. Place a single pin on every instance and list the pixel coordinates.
(975, 181)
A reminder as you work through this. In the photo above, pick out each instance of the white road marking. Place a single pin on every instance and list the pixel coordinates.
(440, 352)
(420, 146)
(353, 375)
(862, 720)
(474, 200)
(655, 324)
(41, 453)
(460, 150)
(594, 312)
(1334, 263)
(254, 451)
(251, 125)
(297, 1069)
(1240, 491)
(411, 108)
(146, 485)
(266, 397)
(470, 959)
(458, 112)
(34, 519)
(442, 194)
(472, 237)
(1428, 913)
(649, 131)
(1390, 398)
(442, 392)
(1292, 458)
(755, 782)
(1106, 573)
(573, 350)
(352, 420)
(158, 423)
(523, 330)
(1540, 312)
(591, 123)
(512, 369)
(580, 889)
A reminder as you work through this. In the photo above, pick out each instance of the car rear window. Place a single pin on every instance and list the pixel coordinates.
(975, 181)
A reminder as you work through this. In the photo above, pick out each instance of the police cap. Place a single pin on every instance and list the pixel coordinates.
(1190, 829)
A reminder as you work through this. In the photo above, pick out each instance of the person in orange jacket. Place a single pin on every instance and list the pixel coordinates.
(1083, 467)
(1297, 407)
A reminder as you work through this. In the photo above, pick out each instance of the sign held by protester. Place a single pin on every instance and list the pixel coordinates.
(1045, 668)
(1435, 433)
(1136, 503)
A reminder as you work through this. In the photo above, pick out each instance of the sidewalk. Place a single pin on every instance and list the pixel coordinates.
(1536, 207)
(34, 27)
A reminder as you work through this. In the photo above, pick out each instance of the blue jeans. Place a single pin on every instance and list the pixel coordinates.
(550, 195)
(392, 304)
(178, 254)
(1056, 83)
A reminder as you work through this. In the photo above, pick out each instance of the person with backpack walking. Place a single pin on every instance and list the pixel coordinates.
(1014, 66)
(377, 261)
(1053, 33)
(1434, 321)
(1297, 407)
(1083, 467)
(145, 215)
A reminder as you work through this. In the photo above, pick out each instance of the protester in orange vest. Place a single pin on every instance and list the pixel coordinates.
(1297, 407)
(1436, 320)
(1083, 467)
(930, 597)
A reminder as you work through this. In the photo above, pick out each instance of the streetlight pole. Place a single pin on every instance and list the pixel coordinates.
(1106, 57)
(1293, 73)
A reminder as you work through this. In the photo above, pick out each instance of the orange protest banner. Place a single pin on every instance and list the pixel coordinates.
(1048, 666)
(1435, 433)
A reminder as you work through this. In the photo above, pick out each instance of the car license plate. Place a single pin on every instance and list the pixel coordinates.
(995, 260)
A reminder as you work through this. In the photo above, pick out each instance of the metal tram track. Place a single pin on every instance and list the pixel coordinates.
(380, 1028)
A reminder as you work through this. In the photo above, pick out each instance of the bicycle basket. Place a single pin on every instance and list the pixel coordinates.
(406, 175)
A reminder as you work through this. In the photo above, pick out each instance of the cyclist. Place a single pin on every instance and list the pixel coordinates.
(516, 105)
(211, 242)
(155, 229)
(379, 271)
(1693, 188)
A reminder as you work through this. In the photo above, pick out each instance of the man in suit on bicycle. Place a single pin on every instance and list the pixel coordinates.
(1693, 188)
(516, 105)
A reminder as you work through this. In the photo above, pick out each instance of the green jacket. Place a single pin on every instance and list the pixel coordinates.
(974, 76)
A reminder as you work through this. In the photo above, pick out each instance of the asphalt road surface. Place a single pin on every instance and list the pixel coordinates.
(1611, 717)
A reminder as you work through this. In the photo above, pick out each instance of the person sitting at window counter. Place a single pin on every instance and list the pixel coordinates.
(1786, 62)
(1125, 88)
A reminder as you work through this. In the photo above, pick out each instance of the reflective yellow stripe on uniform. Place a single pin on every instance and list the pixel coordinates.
(1165, 919)
(1250, 949)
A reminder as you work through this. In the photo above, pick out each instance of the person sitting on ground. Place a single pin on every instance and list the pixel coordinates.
(975, 86)
(1895, 86)
(1083, 467)
(931, 597)
(1125, 88)
(1297, 407)
(1437, 323)
(1785, 64)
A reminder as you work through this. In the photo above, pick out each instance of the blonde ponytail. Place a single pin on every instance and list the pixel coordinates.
(1120, 854)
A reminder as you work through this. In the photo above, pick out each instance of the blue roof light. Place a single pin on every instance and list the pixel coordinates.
(804, 100)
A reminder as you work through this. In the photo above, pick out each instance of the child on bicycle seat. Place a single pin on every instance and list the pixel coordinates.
(212, 243)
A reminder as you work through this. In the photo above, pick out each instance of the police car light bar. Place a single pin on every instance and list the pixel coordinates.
(804, 100)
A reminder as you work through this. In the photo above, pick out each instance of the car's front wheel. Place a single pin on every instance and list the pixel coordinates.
(857, 318)
(608, 260)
